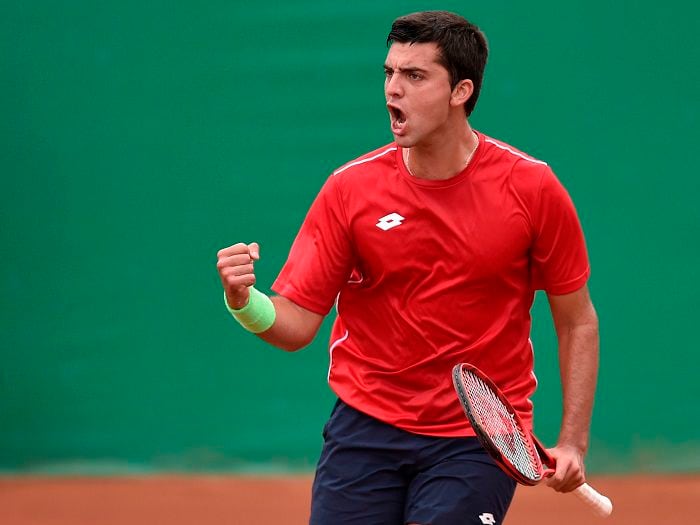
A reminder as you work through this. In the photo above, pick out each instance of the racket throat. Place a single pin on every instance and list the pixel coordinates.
(548, 462)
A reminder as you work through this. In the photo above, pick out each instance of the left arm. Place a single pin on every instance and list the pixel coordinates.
(576, 324)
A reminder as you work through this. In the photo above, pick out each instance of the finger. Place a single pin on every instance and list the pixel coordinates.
(237, 283)
(571, 479)
(575, 479)
(558, 479)
(254, 250)
(233, 260)
(574, 484)
(235, 249)
(235, 271)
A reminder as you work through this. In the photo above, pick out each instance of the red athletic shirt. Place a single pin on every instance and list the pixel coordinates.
(428, 274)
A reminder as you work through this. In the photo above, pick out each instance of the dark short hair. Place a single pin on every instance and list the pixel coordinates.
(463, 47)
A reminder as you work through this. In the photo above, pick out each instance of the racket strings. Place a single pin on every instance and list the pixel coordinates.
(501, 427)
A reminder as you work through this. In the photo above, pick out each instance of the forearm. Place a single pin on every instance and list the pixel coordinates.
(576, 323)
(578, 356)
(294, 326)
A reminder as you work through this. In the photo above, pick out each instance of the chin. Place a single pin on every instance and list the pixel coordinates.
(403, 141)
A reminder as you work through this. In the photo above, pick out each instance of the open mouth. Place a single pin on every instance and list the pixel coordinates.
(398, 118)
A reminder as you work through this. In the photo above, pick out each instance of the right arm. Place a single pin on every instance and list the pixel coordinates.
(294, 326)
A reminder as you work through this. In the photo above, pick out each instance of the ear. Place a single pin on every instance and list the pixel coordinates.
(461, 92)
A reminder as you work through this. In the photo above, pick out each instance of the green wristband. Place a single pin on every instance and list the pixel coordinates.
(258, 315)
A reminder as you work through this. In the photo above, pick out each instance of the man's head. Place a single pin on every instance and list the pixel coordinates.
(461, 45)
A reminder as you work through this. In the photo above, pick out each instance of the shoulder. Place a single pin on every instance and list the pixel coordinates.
(497, 152)
(355, 178)
(529, 179)
(524, 171)
(377, 160)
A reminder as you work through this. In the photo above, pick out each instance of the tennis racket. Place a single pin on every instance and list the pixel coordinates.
(500, 430)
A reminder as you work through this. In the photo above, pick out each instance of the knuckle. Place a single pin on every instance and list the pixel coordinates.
(232, 280)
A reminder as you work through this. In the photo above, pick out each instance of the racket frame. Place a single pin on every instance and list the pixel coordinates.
(540, 457)
(599, 504)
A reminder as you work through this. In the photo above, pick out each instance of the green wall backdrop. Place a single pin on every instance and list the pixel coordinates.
(138, 138)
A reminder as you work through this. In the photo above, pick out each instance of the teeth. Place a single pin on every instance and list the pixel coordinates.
(397, 115)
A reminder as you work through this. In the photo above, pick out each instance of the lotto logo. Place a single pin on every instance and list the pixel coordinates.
(487, 518)
(390, 221)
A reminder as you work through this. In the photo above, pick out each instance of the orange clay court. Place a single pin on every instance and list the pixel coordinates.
(255, 500)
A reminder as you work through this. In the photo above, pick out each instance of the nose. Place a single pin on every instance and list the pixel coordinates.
(392, 86)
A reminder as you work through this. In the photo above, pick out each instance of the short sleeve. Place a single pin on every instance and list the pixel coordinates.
(558, 256)
(321, 258)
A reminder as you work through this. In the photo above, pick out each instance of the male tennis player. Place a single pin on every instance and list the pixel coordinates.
(433, 246)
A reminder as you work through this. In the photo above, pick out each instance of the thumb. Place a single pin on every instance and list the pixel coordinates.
(254, 250)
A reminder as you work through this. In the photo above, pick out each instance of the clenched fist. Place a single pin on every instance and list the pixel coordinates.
(237, 272)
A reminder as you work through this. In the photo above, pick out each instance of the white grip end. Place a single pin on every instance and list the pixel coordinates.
(600, 504)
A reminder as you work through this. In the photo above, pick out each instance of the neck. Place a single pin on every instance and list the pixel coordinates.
(443, 159)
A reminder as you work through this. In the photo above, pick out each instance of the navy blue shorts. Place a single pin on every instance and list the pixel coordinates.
(372, 473)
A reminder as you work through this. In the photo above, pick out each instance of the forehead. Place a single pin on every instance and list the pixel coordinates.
(424, 56)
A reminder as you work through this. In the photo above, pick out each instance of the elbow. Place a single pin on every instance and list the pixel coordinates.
(294, 346)
(303, 340)
(585, 323)
(289, 344)
(593, 322)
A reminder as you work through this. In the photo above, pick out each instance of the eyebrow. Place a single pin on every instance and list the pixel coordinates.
(411, 69)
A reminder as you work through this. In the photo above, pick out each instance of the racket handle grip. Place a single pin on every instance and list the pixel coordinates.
(601, 505)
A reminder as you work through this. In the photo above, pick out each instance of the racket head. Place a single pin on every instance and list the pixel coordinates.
(498, 426)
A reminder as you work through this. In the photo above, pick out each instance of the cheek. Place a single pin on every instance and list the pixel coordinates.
(435, 106)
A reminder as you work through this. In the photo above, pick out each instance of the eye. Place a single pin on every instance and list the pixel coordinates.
(415, 76)
(388, 73)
